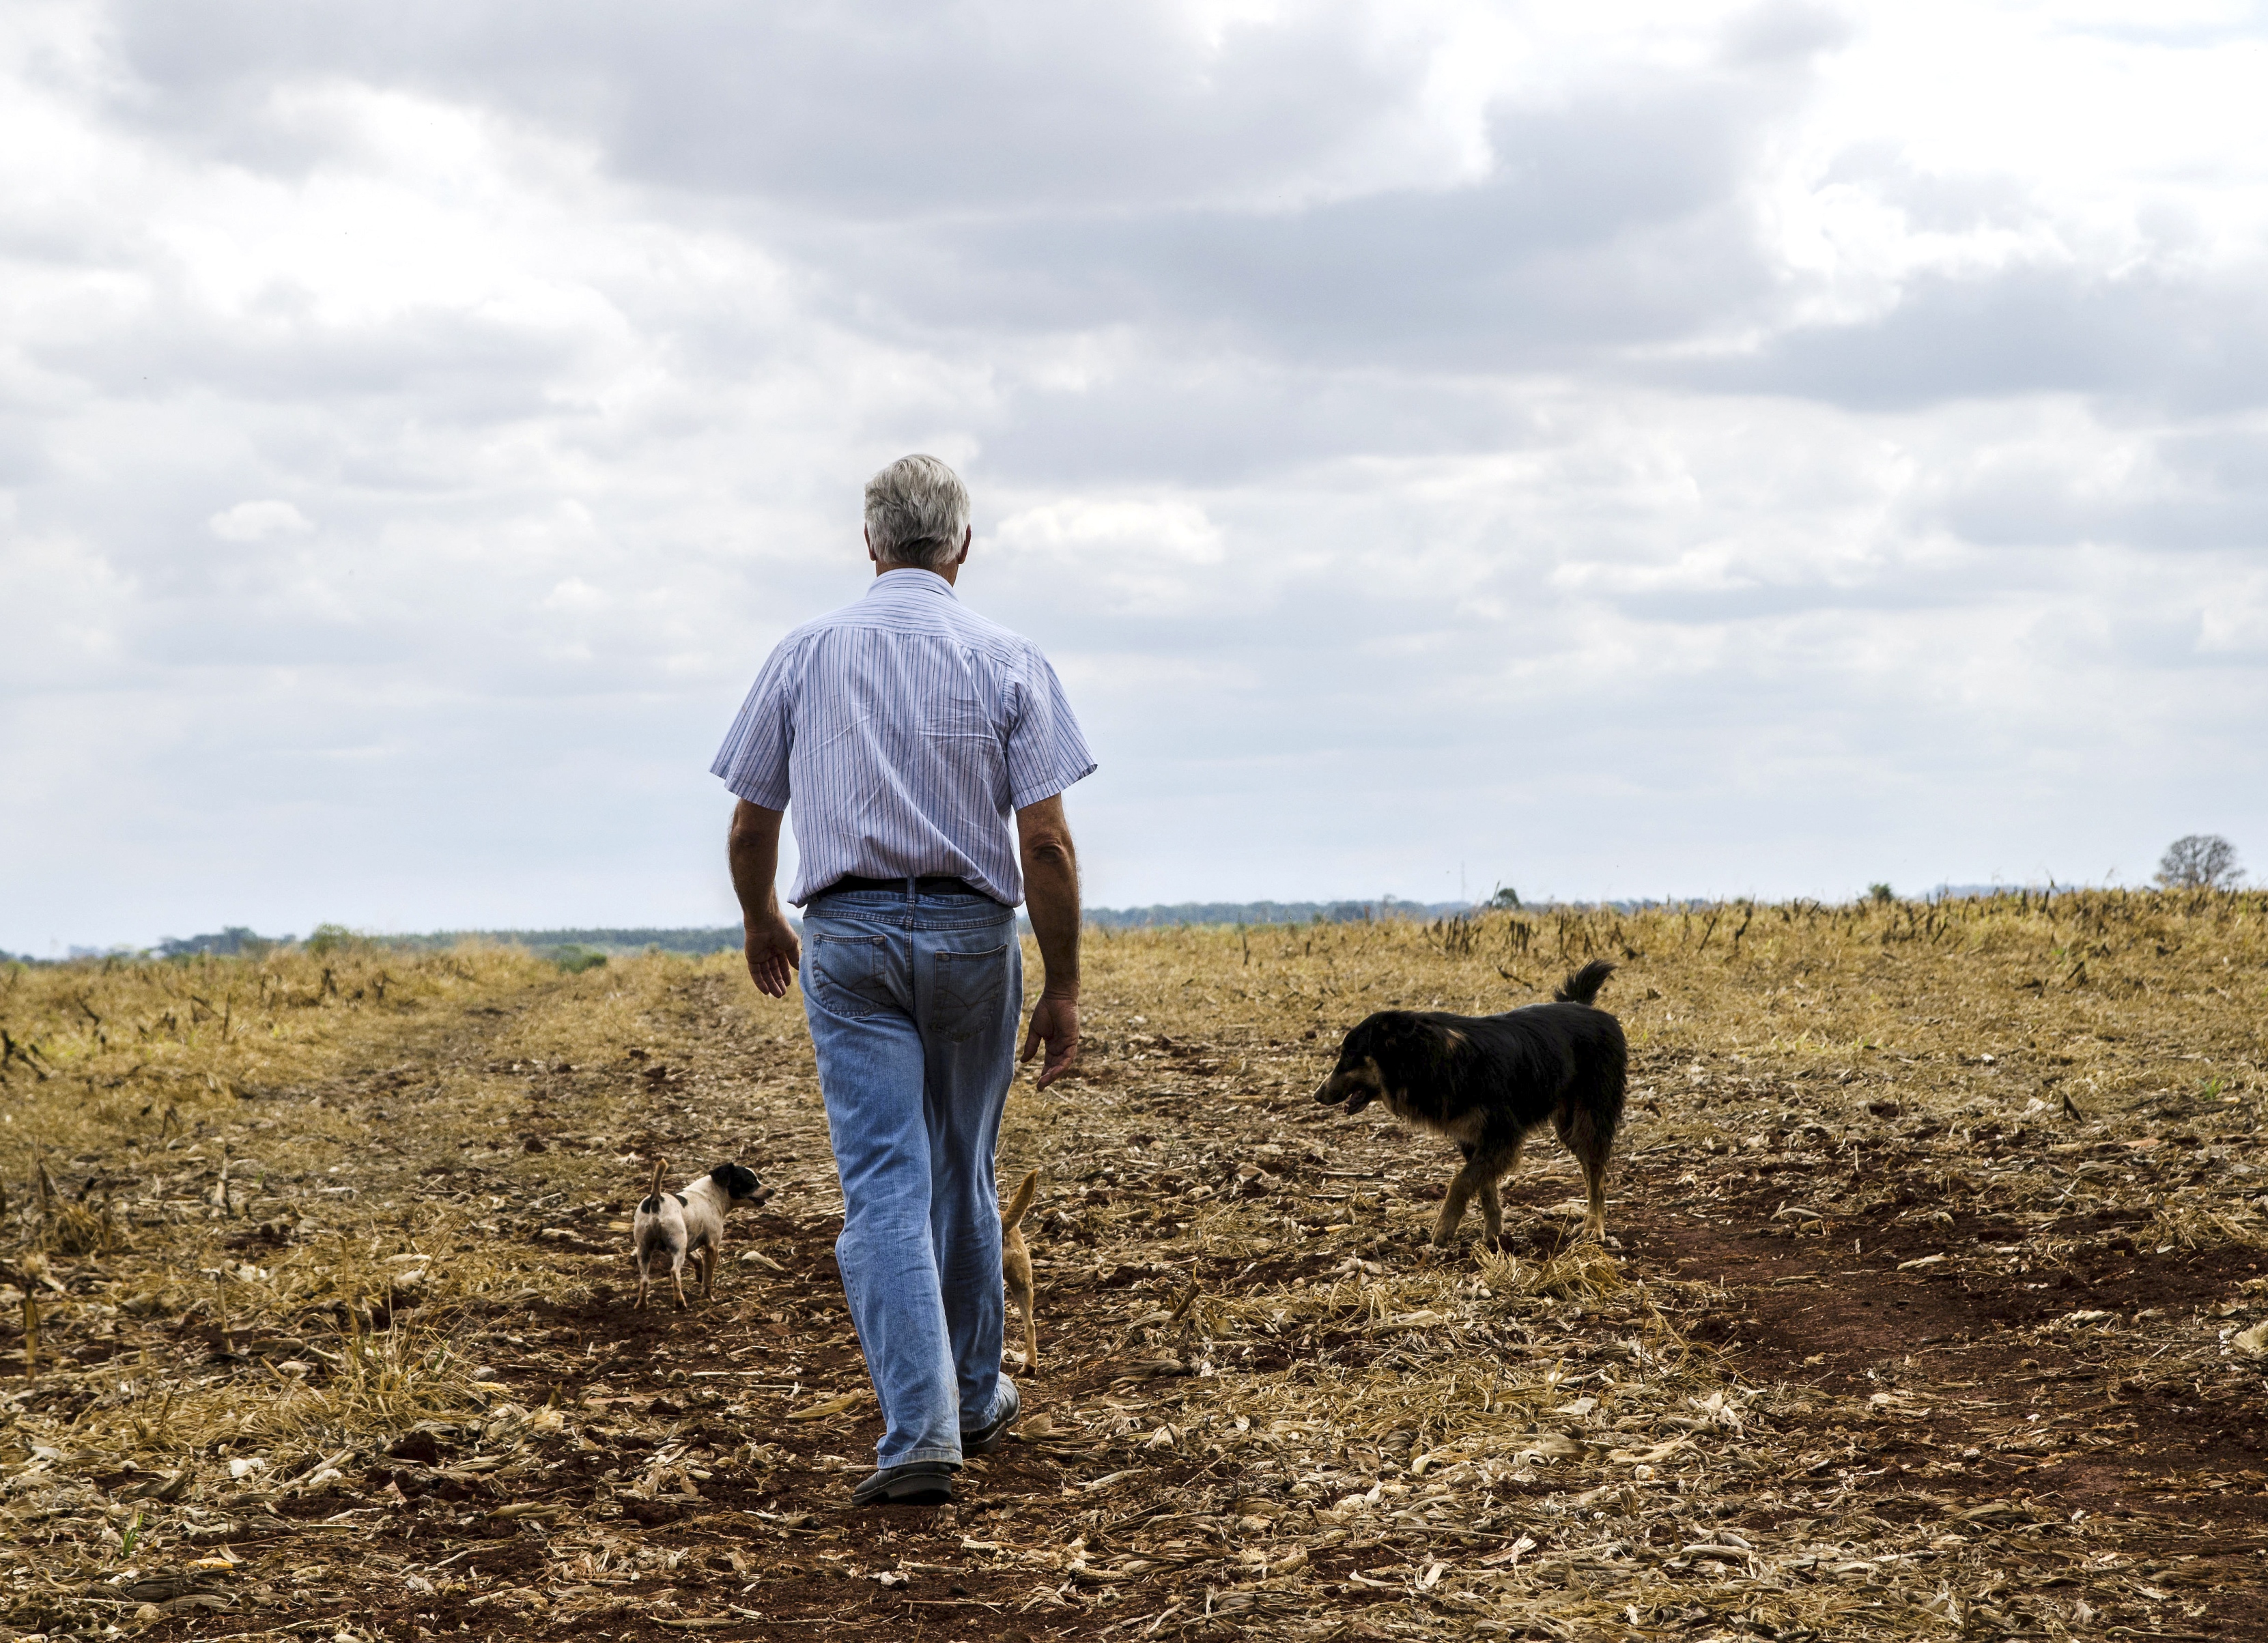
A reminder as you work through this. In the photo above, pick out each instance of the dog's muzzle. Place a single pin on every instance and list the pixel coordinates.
(1329, 1093)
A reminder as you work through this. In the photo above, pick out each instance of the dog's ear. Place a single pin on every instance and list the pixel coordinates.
(739, 1181)
(1408, 1044)
(1396, 1036)
(1371, 1036)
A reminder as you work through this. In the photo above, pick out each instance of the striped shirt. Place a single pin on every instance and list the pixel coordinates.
(909, 731)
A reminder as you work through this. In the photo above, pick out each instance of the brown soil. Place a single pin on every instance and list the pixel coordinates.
(1986, 1359)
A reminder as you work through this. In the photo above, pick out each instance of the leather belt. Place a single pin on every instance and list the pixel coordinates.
(925, 887)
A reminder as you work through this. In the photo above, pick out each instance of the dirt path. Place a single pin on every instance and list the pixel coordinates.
(1931, 1378)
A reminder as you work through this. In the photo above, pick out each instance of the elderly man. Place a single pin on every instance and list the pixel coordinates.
(905, 731)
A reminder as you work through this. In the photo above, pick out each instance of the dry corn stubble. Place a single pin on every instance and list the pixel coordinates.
(1939, 1232)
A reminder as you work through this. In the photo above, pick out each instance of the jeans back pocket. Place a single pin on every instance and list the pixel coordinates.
(969, 990)
(851, 974)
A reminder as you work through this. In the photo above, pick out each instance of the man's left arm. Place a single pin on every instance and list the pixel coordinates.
(752, 849)
(1051, 901)
(1045, 755)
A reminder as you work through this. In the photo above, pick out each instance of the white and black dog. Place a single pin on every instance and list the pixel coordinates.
(690, 1221)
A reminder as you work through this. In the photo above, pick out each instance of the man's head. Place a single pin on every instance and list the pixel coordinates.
(916, 515)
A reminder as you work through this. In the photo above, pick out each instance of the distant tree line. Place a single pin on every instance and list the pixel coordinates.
(718, 938)
(2196, 861)
(236, 941)
(1165, 915)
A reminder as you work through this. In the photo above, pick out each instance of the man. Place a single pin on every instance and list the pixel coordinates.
(908, 731)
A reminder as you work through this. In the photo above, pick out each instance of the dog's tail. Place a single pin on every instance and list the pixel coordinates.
(1583, 986)
(1021, 1205)
(652, 1205)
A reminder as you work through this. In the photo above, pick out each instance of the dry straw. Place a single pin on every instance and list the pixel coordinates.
(286, 1221)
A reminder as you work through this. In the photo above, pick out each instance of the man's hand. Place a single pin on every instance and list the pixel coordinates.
(1054, 1023)
(774, 953)
(752, 849)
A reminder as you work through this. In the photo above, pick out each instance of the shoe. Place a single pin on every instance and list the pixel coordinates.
(985, 1439)
(917, 1482)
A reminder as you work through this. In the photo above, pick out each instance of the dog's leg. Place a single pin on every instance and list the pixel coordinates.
(1025, 1296)
(1484, 1164)
(708, 1269)
(677, 1276)
(1591, 1144)
(645, 1283)
(1461, 1187)
(1016, 1274)
(1491, 1215)
(1453, 1201)
(1595, 1214)
(1492, 1203)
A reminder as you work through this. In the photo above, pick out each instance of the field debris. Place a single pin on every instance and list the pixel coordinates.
(1932, 1305)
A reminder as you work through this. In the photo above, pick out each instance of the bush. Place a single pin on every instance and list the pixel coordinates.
(329, 938)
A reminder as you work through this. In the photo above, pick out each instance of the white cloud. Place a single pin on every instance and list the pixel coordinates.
(1103, 529)
(1135, 553)
(258, 521)
(1625, 448)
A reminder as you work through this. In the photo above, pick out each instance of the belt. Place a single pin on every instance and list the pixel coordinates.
(925, 887)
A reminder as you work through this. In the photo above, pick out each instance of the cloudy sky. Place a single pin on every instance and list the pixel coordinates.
(1612, 450)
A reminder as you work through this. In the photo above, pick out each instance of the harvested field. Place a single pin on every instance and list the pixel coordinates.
(1935, 1304)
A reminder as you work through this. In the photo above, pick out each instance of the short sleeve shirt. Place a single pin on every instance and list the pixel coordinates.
(902, 734)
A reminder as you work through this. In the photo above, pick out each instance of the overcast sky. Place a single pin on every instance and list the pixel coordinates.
(1609, 450)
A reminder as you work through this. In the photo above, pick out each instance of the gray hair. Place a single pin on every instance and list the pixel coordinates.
(916, 512)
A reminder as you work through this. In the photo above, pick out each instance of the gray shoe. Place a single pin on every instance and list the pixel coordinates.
(985, 1439)
(917, 1482)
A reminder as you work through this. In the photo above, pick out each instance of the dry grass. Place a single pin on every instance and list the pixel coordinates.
(280, 1218)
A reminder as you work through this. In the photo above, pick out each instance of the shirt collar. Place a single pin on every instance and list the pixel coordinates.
(910, 578)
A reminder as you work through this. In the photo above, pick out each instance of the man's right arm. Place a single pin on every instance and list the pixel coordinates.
(1051, 901)
(752, 849)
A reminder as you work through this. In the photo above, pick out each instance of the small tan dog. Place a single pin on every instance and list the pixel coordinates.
(1016, 1263)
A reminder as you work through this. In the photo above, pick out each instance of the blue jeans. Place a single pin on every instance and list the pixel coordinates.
(914, 1002)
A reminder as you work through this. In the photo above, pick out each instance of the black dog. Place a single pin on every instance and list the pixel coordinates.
(1486, 1080)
